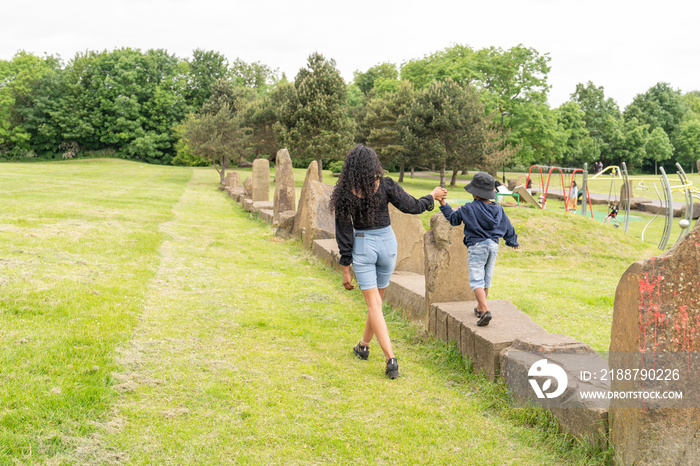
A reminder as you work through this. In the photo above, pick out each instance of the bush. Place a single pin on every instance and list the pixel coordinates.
(336, 167)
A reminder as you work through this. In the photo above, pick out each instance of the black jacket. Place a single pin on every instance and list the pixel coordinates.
(388, 191)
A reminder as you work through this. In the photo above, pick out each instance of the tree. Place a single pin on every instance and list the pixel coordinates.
(628, 142)
(687, 142)
(507, 79)
(18, 79)
(260, 116)
(203, 70)
(384, 132)
(658, 147)
(446, 124)
(314, 123)
(601, 116)
(659, 107)
(374, 76)
(253, 75)
(536, 126)
(577, 146)
(215, 136)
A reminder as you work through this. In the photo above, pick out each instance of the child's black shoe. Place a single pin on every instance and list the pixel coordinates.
(485, 319)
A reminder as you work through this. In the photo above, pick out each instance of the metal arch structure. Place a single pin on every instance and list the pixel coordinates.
(627, 198)
(665, 197)
(584, 189)
(690, 192)
(668, 196)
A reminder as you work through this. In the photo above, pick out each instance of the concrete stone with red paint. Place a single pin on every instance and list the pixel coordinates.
(657, 315)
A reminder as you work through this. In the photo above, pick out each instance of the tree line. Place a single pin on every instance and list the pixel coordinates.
(455, 109)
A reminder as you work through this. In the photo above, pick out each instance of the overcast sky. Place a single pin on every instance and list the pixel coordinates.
(624, 46)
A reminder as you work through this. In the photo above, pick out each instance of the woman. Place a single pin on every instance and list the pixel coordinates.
(363, 231)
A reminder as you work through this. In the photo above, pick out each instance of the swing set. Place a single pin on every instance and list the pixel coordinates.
(613, 205)
(570, 202)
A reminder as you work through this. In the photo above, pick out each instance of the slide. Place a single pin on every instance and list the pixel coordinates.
(525, 196)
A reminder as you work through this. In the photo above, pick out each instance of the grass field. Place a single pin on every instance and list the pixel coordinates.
(147, 319)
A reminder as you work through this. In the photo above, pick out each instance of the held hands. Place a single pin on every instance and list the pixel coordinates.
(439, 194)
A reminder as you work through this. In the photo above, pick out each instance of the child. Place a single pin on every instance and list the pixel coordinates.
(614, 208)
(484, 223)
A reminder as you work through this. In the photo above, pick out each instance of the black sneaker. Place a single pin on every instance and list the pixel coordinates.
(485, 319)
(361, 351)
(392, 368)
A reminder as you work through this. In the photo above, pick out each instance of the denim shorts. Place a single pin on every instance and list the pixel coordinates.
(374, 257)
(482, 259)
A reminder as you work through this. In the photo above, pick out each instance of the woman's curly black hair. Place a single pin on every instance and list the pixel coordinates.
(357, 184)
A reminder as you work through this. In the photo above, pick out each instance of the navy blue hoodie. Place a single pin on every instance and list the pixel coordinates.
(482, 221)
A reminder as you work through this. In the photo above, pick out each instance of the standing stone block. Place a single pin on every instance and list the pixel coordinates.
(234, 186)
(261, 180)
(234, 180)
(446, 267)
(314, 219)
(285, 194)
(285, 224)
(311, 175)
(409, 235)
(227, 180)
(248, 188)
(698, 164)
(657, 316)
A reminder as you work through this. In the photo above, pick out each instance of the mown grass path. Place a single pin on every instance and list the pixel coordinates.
(242, 355)
(155, 322)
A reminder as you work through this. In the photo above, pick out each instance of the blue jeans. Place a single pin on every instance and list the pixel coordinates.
(482, 260)
(374, 257)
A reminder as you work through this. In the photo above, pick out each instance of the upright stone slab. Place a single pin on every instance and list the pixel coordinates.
(314, 219)
(698, 164)
(446, 267)
(311, 175)
(261, 180)
(656, 316)
(234, 181)
(235, 188)
(285, 195)
(227, 180)
(409, 235)
(248, 188)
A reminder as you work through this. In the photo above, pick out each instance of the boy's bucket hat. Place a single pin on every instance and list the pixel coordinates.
(482, 185)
